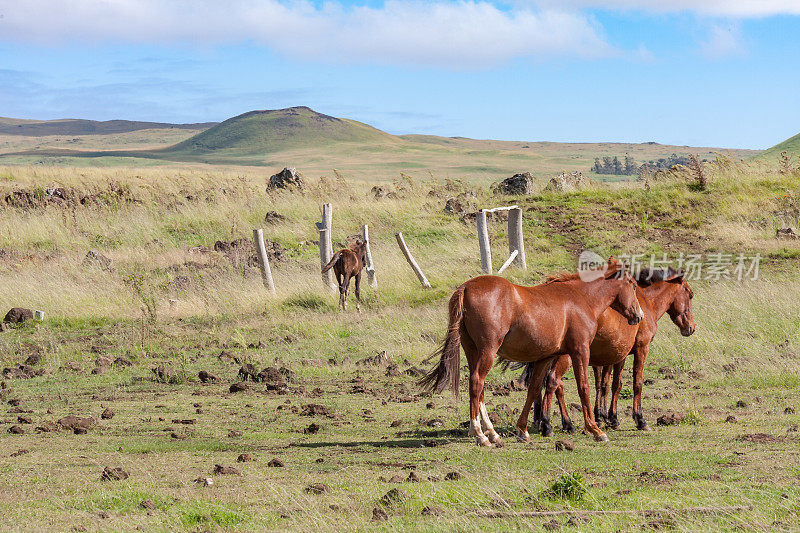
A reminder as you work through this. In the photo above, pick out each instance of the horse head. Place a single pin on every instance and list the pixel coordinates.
(680, 307)
(626, 303)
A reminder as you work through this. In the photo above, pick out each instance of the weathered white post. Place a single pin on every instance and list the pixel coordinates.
(410, 259)
(515, 240)
(263, 260)
(508, 261)
(483, 242)
(326, 244)
(370, 266)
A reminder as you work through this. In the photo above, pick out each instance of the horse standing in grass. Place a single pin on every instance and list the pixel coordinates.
(489, 315)
(660, 291)
(347, 264)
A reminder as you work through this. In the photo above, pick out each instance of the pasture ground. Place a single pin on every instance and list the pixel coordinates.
(743, 362)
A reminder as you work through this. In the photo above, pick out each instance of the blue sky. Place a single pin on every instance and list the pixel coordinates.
(695, 72)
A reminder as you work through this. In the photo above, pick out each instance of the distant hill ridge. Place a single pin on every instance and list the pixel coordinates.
(268, 131)
(69, 126)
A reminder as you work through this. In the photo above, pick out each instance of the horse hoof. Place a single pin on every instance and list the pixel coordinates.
(482, 441)
(601, 438)
(522, 436)
(494, 438)
(645, 428)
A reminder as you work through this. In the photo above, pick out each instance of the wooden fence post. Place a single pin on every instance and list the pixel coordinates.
(326, 243)
(515, 240)
(370, 266)
(263, 260)
(410, 259)
(483, 242)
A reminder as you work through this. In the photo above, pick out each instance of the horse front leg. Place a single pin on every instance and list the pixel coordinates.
(613, 421)
(640, 352)
(344, 293)
(600, 413)
(566, 421)
(551, 384)
(478, 368)
(580, 364)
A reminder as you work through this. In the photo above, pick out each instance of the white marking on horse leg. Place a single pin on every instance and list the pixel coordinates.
(490, 432)
(475, 431)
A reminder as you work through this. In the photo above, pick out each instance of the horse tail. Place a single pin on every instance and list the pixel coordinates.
(449, 353)
(332, 262)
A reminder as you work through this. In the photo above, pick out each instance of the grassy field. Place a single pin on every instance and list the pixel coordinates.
(169, 429)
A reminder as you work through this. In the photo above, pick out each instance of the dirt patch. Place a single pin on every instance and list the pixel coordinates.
(226, 471)
(565, 445)
(316, 488)
(76, 422)
(238, 387)
(314, 409)
(669, 419)
(760, 438)
(206, 377)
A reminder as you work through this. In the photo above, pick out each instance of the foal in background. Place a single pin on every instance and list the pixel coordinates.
(348, 263)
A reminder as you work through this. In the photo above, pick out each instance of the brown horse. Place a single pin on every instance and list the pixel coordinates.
(347, 263)
(660, 291)
(489, 315)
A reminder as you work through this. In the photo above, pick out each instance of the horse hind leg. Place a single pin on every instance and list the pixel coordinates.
(480, 361)
(493, 436)
(566, 422)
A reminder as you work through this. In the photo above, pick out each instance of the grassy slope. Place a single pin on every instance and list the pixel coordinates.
(791, 145)
(704, 462)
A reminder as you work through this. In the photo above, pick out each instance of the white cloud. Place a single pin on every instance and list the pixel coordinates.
(723, 42)
(721, 8)
(463, 34)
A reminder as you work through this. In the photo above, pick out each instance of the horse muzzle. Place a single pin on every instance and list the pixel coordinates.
(687, 331)
(635, 320)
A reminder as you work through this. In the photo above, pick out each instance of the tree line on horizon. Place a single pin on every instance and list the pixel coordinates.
(627, 166)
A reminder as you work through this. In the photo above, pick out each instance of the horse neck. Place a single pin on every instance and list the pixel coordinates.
(599, 294)
(661, 293)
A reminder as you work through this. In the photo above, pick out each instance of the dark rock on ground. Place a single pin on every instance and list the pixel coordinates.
(316, 488)
(18, 315)
(452, 476)
(393, 497)
(565, 444)
(206, 377)
(16, 430)
(314, 409)
(19, 452)
(379, 515)
(312, 429)
(33, 360)
(24, 419)
(113, 474)
(148, 504)
(275, 463)
(522, 183)
(429, 510)
(669, 419)
(286, 179)
(226, 470)
(244, 458)
(73, 422)
(273, 217)
(239, 387)
(413, 477)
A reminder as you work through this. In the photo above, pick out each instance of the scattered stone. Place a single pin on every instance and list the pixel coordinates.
(786, 233)
(312, 429)
(226, 471)
(523, 183)
(18, 315)
(273, 217)
(286, 179)
(379, 359)
(271, 376)
(565, 444)
(177, 436)
(148, 504)
(16, 430)
(435, 423)
(741, 404)
(19, 452)
(452, 476)
(788, 411)
(73, 422)
(95, 259)
(731, 419)
(275, 463)
(760, 438)
(14, 402)
(431, 443)
(396, 479)
(33, 360)
(204, 481)
(234, 433)
(432, 511)
(669, 419)
(206, 377)
(248, 371)
(121, 361)
(107, 414)
(314, 409)
(379, 515)
(316, 488)
(567, 182)
(113, 474)
(396, 423)
(165, 374)
(413, 477)
(239, 387)
(393, 497)
(24, 419)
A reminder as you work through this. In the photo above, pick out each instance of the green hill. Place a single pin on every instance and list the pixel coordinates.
(791, 145)
(263, 132)
(69, 126)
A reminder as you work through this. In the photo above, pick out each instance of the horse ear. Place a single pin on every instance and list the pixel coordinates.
(675, 277)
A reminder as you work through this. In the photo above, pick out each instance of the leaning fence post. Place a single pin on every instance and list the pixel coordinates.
(410, 259)
(483, 242)
(370, 266)
(263, 260)
(515, 241)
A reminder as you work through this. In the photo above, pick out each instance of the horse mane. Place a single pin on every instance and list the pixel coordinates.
(613, 267)
(651, 275)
